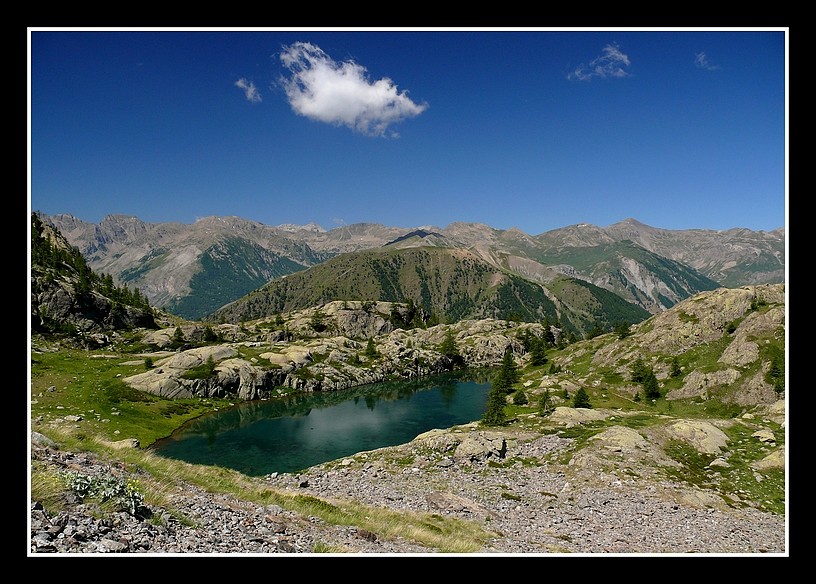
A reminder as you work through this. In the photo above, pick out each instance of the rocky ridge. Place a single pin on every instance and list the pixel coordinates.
(333, 360)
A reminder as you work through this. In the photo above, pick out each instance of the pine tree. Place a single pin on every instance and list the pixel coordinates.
(318, 321)
(508, 373)
(209, 334)
(494, 411)
(520, 398)
(581, 399)
(651, 389)
(776, 374)
(549, 337)
(538, 352)
(545, 403)
(449, 348)
(675, 368)
(622, 330)
(371, 349)
(638, 370)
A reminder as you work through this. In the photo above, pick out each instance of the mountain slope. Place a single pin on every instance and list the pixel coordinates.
(636, 274)
(725, 345)
(229, 268)
(189, 270)
(450, 284)
(68, 297)
(732, 258)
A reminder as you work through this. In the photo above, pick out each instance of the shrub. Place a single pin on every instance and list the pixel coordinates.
(318, 321)
(203, 371)
(209, 335)
(651, 388)
(676, 371)
(125, 495)
(520, 398)
(371, 349)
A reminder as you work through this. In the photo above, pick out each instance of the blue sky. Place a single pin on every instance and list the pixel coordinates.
(535, 129)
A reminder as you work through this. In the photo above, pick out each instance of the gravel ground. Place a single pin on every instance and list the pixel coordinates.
(543, 508)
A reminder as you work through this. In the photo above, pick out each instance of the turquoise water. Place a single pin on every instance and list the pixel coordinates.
(292, 433)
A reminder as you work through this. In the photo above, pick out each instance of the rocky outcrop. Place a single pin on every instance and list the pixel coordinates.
(571, 417)
(88, 312)
(466, 444)
(354, 319)
(66, 297)
(742, 322)
(700, 434)
(323, 363)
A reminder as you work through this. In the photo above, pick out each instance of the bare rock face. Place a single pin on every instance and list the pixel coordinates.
(701, 435)
(754, 390)
(240, 378)
(570, 417)
(776, 411)
(697, 383)
(743, 349)
(775, 459)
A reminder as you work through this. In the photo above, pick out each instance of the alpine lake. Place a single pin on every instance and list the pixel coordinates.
(290, 433)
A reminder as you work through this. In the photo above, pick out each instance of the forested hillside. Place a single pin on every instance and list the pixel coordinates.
(447, 284)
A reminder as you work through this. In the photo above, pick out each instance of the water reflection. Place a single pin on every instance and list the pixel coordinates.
(294, 432)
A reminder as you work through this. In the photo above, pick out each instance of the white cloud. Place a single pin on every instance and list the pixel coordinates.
(701, 60)
(322, 89)
(612, 63)
(250, 90)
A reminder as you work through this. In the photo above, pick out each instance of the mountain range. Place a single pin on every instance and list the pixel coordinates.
(681, 420)
(229, 268)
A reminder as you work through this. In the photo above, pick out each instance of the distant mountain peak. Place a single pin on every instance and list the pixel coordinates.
(310, 227)
(420, 233)
(631, 223)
